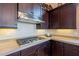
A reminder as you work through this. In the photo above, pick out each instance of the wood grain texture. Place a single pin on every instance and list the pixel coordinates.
(8, 14)
(63, 17)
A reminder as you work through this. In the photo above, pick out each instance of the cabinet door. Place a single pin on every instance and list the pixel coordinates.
(71, 50)
(45, 18)
(44, 49)
(63, 17)
(8, 15)
(68, 16)
(57, 48)
(54, 19)
(26, 7)
(29, 51)
(15, 54)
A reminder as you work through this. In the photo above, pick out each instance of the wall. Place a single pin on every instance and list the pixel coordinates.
(26, 29)
(65, 32)
(41, 31)
(69, 32)
(6, 31)
(23, 30)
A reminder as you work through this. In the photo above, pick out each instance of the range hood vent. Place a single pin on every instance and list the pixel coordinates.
(25, 17)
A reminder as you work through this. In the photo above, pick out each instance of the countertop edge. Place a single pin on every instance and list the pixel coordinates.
(73, 41)
(24, 47)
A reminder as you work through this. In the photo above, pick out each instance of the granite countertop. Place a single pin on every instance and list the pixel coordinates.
(64, 39)
(24, 47)
(69, 40)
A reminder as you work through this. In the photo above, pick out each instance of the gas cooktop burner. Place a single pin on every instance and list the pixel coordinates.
(27, 40)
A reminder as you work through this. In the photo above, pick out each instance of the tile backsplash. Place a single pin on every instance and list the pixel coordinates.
(26, 29)
(41, 31)
(6, 31)
(23, 30)
(68, 32)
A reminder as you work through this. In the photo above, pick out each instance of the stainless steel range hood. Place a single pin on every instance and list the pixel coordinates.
(28, 18)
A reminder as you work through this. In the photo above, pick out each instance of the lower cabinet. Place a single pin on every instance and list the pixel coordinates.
(57, 48)
(15, 54)
(42, 49)
(29, 51)
(71, 50)
(49, 48)
(64, 49)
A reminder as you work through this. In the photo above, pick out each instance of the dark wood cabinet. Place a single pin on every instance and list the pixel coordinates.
(54, 19)
(45, 18)
(15, 54)
(68, 16)
(63, 17)
(42, 49)
(49, 48)
(29, 51)
(57, 48)
(8, 15)
(71, 50)
(64, 49)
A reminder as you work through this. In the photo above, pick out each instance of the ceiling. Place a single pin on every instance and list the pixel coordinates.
(50, 6)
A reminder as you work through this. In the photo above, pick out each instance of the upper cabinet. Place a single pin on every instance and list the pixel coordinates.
(54, 19)
(8, 15)
(63, 17)
(68, 17)
(45, 18)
